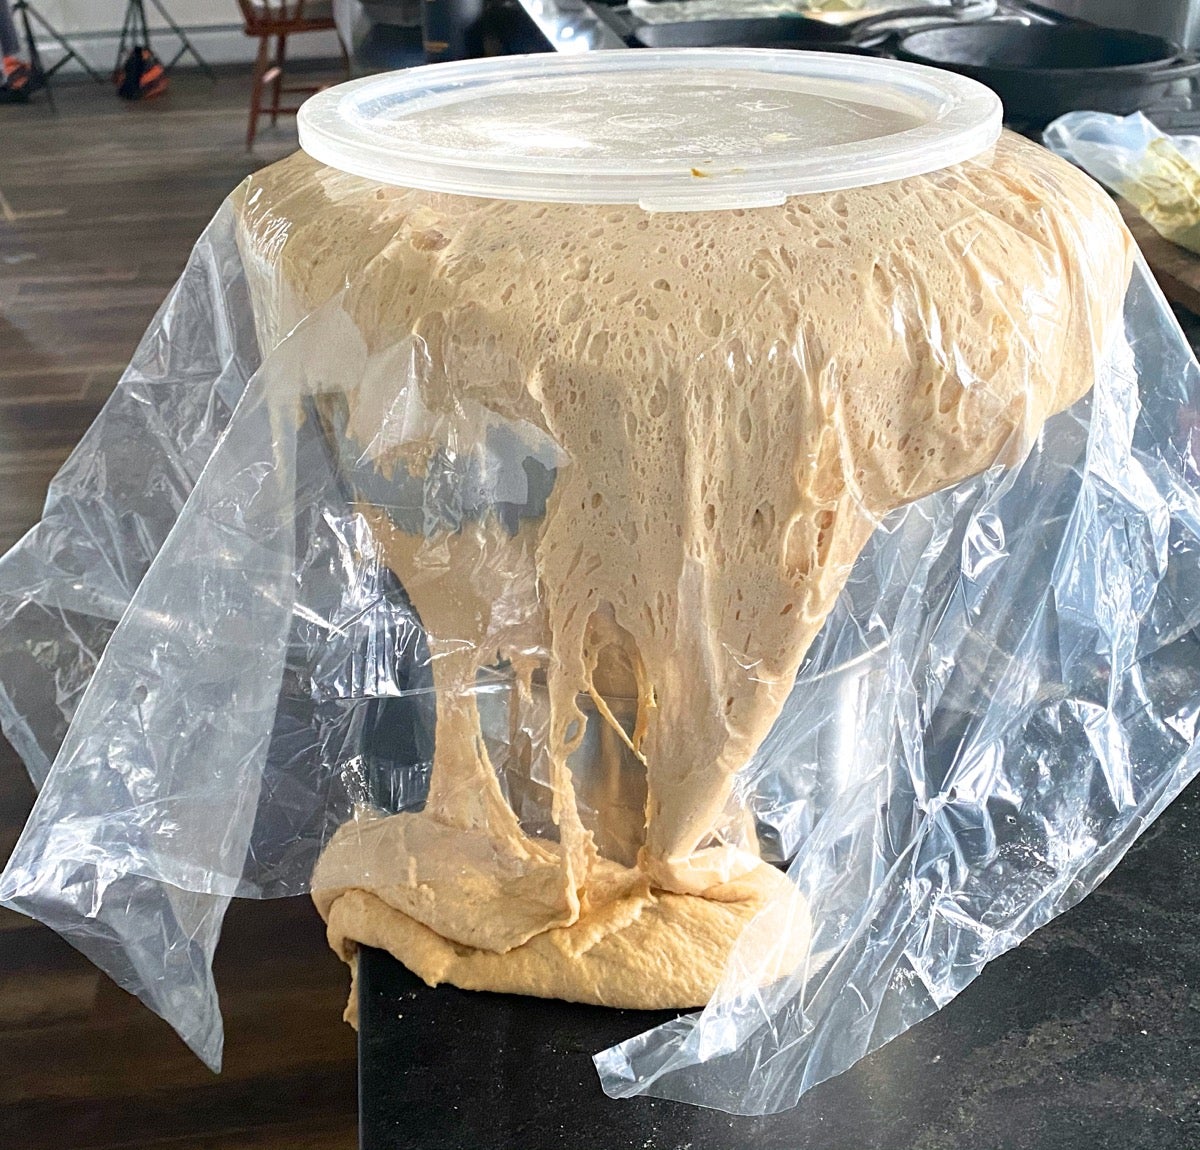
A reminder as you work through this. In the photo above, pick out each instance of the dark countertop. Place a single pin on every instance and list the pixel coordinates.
(1086, 1037)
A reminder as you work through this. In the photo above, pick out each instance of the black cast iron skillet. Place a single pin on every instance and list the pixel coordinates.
(764, 32)
(1042, 71)
(782, 31)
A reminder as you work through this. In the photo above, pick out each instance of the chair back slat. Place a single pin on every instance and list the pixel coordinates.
(256, 13)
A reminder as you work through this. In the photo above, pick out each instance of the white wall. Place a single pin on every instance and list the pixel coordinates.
(214, 26)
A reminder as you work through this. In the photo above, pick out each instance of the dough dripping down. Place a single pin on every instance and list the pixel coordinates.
(736, 399)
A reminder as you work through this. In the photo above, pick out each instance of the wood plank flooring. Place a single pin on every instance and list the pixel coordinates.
(99, 206)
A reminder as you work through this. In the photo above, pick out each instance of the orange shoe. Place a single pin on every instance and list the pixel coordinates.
(18, 80)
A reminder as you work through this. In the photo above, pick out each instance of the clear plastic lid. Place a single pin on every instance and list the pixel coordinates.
(676, 130)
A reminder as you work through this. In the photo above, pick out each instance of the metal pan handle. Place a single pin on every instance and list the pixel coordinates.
(1182, 67)
(878, 26)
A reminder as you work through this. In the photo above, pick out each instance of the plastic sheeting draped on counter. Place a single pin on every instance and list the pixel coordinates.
(203, 637)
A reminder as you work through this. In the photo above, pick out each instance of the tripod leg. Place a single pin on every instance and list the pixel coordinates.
(185, 44)
(36, 68)
(69, 52)
(122, 43)
(35, 57)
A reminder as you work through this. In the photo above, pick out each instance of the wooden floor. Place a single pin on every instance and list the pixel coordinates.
(99, 206)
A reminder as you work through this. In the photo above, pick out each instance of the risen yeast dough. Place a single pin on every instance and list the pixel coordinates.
(738, 397)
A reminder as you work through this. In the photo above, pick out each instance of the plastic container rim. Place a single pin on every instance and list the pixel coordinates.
(964, 121)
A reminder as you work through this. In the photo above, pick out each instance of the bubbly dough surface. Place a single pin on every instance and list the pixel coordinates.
(738, 398)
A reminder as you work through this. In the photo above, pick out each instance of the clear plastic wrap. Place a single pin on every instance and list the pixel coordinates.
(1159, 174)
(209, 638)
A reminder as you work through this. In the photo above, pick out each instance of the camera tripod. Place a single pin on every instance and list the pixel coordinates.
(136, 30)
(28, 15)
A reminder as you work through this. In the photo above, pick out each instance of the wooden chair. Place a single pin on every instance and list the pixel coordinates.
(268, 20)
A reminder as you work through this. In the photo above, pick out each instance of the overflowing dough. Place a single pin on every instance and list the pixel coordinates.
(737, 398)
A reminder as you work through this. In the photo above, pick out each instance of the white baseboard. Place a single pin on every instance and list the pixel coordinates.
(220, 44)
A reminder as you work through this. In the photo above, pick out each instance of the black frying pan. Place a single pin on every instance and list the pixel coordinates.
(781, 31)
(764, 32)
(1042, 71)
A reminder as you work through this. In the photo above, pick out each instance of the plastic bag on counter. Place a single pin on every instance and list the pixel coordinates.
(785, 609)
(1159, 174)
